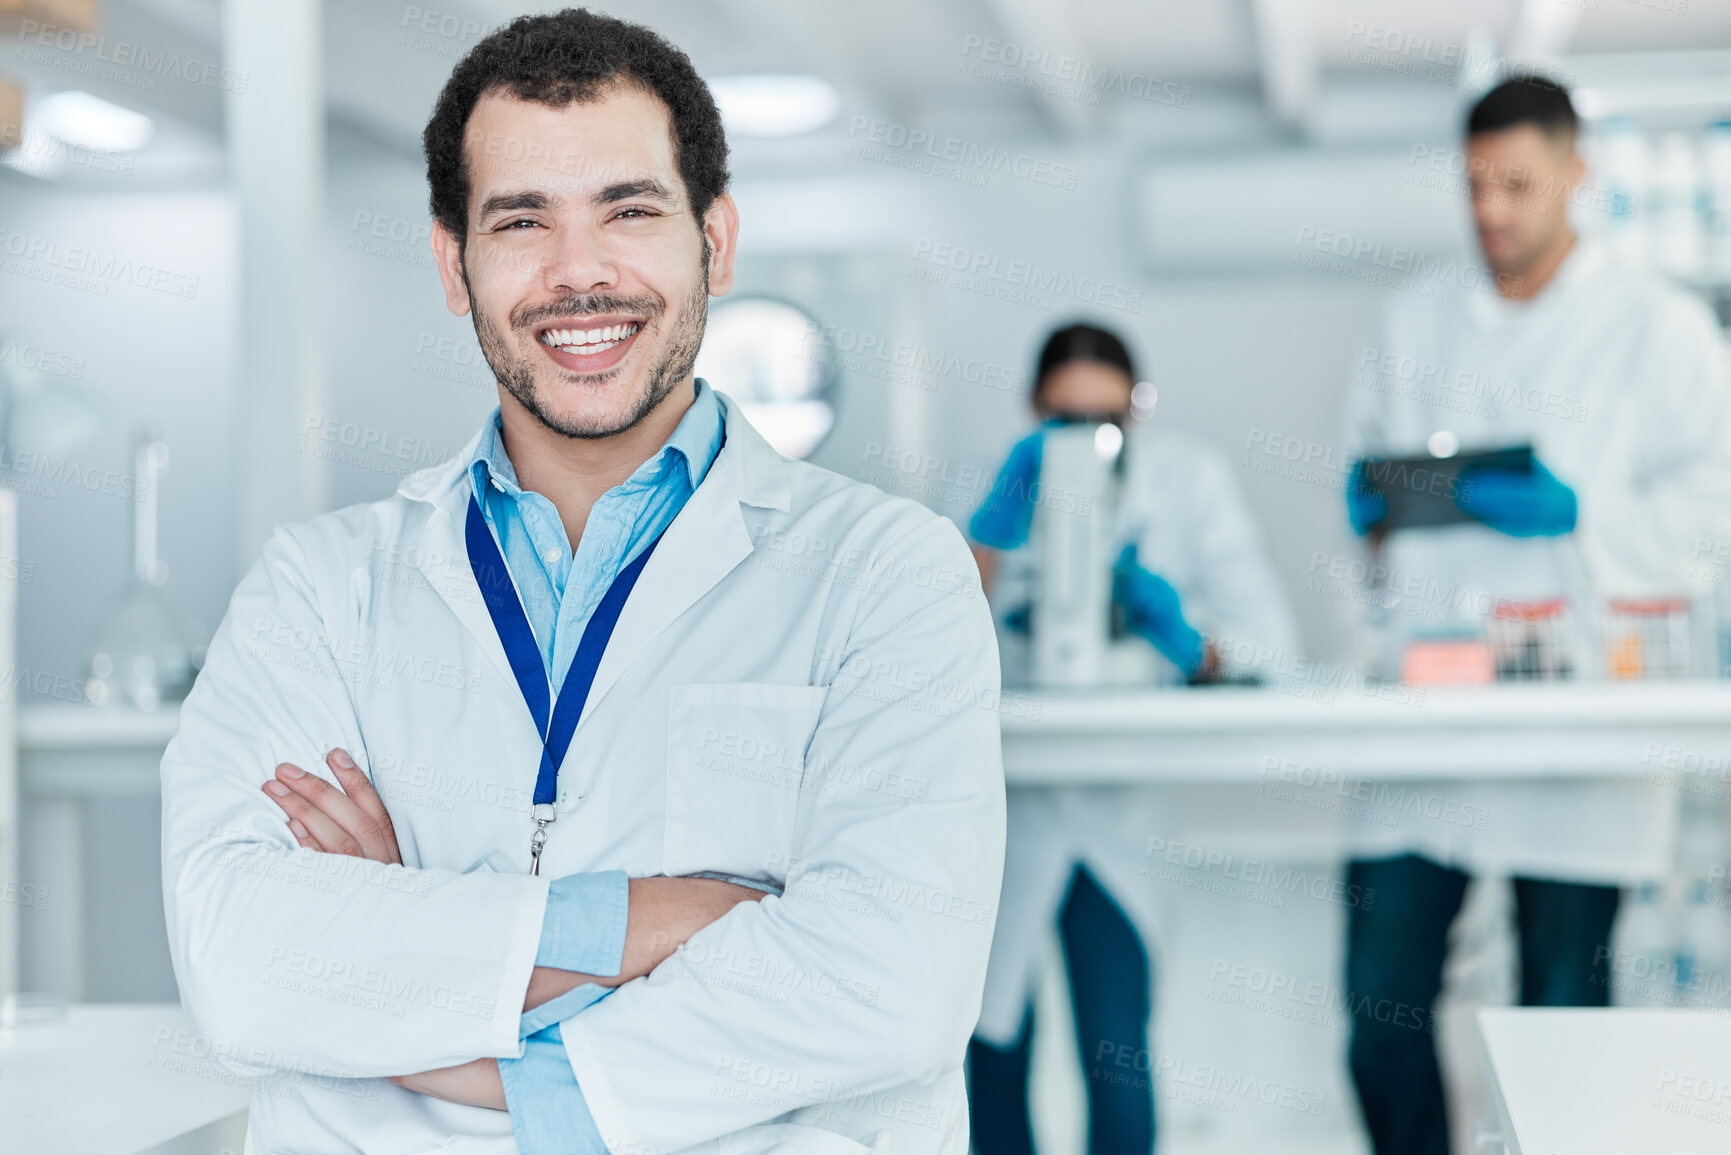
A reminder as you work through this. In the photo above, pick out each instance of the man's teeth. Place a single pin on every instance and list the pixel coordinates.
(589, 340)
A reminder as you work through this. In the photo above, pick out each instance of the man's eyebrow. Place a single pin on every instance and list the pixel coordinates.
(626, 190)
(513, 202)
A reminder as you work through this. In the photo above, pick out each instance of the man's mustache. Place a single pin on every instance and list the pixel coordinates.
(585, 304)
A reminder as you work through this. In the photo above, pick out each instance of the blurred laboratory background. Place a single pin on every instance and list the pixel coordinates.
(218, 312)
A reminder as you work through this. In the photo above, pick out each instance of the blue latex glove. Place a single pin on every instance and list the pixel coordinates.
(1365, 507)
(1003, 520)
(1155, 612)
(1532, 504)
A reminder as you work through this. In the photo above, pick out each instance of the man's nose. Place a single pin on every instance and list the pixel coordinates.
(579, 260)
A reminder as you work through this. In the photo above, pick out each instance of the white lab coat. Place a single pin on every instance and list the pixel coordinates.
(802, 689)
(1182, 506)
(1619, 381)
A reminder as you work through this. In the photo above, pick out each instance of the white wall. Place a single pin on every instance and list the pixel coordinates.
(138, 355)
(142, 356)
(406, 385)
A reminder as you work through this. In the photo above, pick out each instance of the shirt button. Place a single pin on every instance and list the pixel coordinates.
(551, 556)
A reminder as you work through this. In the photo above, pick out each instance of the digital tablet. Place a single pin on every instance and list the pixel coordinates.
(1421, 490)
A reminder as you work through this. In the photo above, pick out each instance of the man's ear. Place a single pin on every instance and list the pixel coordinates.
(721, 230)
(448, 256)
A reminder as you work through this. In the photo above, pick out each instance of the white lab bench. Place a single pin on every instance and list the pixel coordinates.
(1226, 735)
(1608, 1082)
(117, 1080)
(72, 755)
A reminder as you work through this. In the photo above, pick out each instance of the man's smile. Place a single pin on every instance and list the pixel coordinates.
(591, 345)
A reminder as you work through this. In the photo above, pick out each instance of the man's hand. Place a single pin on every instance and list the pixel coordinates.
(351, 821)
(475, 1084)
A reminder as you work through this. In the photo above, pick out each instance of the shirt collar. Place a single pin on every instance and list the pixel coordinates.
(694, 443)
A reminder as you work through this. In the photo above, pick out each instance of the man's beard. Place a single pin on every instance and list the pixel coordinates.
(517, 374)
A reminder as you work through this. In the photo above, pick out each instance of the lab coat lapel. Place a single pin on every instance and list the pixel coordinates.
(702, 546)
(443, 554)
(456, 584)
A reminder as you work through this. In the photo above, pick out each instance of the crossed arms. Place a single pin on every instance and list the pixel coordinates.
(350, 819)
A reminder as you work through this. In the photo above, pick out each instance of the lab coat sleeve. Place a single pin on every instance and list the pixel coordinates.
(1645, 531)
(866, 973)
(290, 959)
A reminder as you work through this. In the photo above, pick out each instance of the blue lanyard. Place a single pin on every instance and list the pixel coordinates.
(556, 721)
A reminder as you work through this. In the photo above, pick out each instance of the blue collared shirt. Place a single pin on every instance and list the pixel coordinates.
(628, 517)
(584, 927)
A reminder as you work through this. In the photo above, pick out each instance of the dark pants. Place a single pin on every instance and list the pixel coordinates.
(1109, 990)
(1394, 963)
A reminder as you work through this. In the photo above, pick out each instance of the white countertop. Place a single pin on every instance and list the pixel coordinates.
(110, 1079)
(1218, 735)
(1610, 1082)
(73, 726)
(1221, 735)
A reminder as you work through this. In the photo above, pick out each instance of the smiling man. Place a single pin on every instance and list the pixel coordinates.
(619, 785)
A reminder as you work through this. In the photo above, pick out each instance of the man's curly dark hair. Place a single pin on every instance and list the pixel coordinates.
(569, 57)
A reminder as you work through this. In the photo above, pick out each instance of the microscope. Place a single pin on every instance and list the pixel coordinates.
(1078, 636)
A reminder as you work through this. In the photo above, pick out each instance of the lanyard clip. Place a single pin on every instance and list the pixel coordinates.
(544, 814)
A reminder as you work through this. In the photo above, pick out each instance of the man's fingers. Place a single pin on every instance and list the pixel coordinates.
(368, 838)
(301, 834)
(330, 836)
(334, 822)
(360, 791)
(304, 836)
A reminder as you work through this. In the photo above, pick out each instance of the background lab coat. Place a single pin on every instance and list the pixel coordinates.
(1182, 507)
(801, 689)
(1619, 381)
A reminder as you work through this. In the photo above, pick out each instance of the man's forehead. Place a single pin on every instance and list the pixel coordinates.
(572, 150)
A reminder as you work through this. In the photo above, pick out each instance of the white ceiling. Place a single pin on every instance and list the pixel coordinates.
(1253, 71)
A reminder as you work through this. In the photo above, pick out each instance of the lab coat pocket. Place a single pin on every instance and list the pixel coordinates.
(735, 756)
